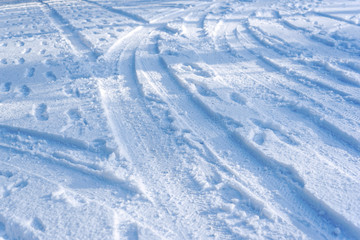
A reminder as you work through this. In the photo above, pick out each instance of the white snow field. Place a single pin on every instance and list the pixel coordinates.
(179, 119)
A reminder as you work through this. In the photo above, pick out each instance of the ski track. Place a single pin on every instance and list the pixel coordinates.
(199, 120)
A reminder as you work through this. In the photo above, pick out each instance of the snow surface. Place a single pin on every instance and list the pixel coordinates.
(179, 119)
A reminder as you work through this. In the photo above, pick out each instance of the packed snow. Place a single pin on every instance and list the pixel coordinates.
(179, 119)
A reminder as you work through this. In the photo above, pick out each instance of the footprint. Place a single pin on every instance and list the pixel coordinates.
(51, 76)
(6, 174)
(259, 138)
(238, 98)
(99, 145)
(25, 90)
(112, 35)
(205, 92)
(21, 184)
(50, 62)
(197, 70)
(20, 43)
(21, 61)
(232, 193)
(27, 51)
(231, 123)
(41, 112)
(284, 137)
(70, 91)
(30, 72)
(7, 87)
(7, 191)
(38, 224)
(74, 114)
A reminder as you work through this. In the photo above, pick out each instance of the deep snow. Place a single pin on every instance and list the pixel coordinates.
(179, 119)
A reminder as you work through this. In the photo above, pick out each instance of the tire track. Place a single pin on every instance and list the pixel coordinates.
(327, 69)
(129, 123)
(162, 90)
(161, 95)
(343, 46)
(242, 55)
(234, 138)
(307, 81)
(289, 74)
(311, 200)
(334, 18)
(136, 90)
(286, 175)
(345, 137)
(333, 129)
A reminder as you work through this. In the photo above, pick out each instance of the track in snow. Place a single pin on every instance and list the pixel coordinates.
(179, 120)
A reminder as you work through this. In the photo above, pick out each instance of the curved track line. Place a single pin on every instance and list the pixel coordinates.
(352, 230)
(218, 120)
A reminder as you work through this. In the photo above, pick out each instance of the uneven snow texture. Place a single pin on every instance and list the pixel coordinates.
(179, 119)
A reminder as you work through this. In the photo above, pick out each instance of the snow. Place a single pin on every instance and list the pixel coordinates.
(211, 119)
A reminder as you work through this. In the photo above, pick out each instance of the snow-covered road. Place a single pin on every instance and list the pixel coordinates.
(179, 119)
